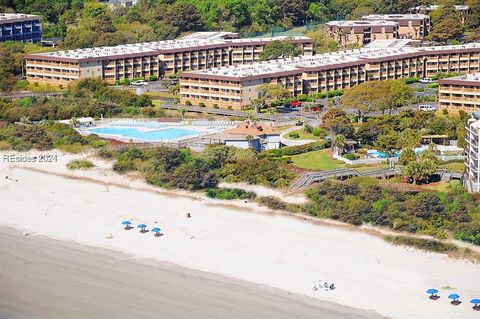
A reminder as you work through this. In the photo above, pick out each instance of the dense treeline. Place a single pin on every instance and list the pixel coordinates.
(47, 135)
(88, 22)
(362, 201)
(181, 168)
(88, 97)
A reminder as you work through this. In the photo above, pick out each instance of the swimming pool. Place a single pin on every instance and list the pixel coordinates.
(131, 133)
(379, 154)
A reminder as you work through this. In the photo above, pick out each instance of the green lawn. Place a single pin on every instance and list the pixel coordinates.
(454, 166)
(322, 160)
(303, 136)
(439, 186)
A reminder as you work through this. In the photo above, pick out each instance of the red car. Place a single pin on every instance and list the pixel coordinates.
(295, 104)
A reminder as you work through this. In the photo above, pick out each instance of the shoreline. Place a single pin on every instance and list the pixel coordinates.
(233, 240)
(146, 287)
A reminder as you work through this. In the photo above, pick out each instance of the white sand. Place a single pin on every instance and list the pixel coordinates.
(278, 251)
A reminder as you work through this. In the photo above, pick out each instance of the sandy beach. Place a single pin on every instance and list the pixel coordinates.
(237, 242)
(44, 278)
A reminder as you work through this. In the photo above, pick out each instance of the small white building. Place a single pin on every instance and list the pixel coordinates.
(80, 122)
(249, 134)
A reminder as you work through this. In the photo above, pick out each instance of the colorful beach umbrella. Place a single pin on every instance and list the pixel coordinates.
(432, 291)
(156, 230)
(453, 296)
(475, 301)
(126, 222)
(142, 227)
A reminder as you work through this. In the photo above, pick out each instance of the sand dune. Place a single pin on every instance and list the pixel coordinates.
(276, 251)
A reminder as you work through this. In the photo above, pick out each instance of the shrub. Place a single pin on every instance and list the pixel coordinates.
(293, 150)
(411, 80)
(351, 157)
(308, 128)
(152, 78)
(80, 164)
(272, 202)
(229, 193)
(302, 97)
(98, 143)
(123, 166)
(317, 131)
(321, 95)
(105, 153)
(201, 104)
(423, 244)
(188, 102)
(433, 85)
(294, 134)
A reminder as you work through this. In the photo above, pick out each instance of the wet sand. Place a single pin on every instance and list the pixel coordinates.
(46, 278)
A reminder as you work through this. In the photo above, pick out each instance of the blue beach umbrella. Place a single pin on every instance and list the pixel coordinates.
(127, 224)
(157, 231)
(453, 297)
(142, 227)
(475, 301)
(432, 291)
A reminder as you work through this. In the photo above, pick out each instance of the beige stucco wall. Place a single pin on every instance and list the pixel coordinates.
(91, 69)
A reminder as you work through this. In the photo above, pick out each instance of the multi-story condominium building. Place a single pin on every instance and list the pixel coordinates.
(20, 27)
(149, 58)
(361, 32)
(472, 151)
(460, 92)
(410, 26)
(237, 86)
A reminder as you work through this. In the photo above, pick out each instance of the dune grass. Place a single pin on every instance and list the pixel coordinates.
(80, 164)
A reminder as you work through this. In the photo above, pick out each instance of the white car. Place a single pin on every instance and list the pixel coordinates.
(427, 107)
(426, 80)
(139, 83)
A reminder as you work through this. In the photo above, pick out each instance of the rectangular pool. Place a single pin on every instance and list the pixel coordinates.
(131, 133)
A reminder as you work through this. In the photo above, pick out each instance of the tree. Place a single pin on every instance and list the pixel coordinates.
(407, 156)
(183, 17)
(422, 167)
(268, 93)
(280, 49)
(321, 40)
(446, 29)
(387, 142)
(292, 10)
(408, 138)
(336, 122)
(338, 143)
(363, 98)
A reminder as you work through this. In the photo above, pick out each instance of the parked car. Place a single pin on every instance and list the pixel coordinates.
(427, 107)
(139, 83)
(295, 104)
(426, 80)
(299, 123)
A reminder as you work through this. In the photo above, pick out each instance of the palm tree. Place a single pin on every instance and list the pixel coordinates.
(339, 143)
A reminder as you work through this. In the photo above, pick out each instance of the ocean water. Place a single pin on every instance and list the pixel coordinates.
(136, 134)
